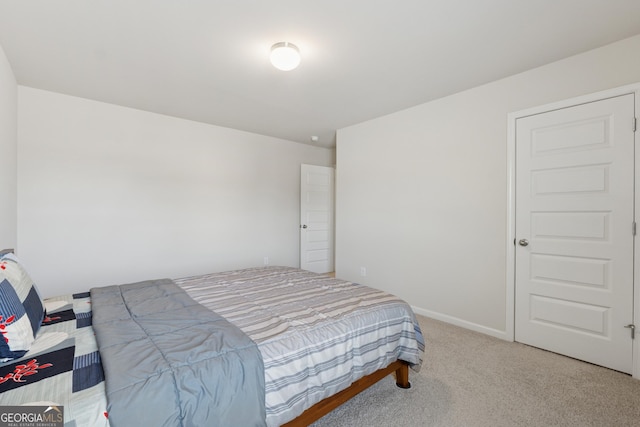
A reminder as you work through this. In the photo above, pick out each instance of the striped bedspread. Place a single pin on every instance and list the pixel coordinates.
(317, 334)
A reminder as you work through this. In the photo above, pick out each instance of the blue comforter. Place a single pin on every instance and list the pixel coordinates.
(168, 361)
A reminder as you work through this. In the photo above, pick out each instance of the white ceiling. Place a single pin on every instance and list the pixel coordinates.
(207, 60)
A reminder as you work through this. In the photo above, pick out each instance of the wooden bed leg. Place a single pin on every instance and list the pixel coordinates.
(402, 376)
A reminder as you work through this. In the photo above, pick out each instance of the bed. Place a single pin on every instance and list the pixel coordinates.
(260, 346)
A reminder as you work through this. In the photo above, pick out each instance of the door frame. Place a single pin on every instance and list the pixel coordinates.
(511, 206)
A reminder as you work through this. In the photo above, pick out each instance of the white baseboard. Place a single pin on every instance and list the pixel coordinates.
(462, 323)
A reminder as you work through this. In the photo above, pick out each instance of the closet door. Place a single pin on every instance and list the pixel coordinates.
(574, 231)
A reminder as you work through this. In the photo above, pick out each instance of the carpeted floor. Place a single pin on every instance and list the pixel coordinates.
(470, 379)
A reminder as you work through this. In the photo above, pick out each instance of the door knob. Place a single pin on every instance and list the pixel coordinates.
(303, 226)
(633, 330)
(523, 242)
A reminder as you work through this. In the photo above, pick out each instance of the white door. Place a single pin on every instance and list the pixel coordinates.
(574, 222)
(316, 218)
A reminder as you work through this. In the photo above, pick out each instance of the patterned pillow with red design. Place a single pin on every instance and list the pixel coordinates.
(21, 309)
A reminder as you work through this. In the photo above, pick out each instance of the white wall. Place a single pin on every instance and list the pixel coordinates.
(422, 193)
(8, 150)
(110, 195)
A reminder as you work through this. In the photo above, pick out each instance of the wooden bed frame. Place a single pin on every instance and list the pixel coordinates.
(327, 405)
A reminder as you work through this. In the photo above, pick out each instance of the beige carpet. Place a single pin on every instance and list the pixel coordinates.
(470, 379)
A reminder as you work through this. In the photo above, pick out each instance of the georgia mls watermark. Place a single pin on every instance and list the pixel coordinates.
(31, 416)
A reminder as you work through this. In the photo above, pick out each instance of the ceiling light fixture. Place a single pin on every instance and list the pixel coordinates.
(285, 56)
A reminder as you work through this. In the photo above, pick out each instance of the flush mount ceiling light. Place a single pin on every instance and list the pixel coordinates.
(285, 56)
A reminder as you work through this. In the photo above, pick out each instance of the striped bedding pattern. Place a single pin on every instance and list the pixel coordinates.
(317, 334)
